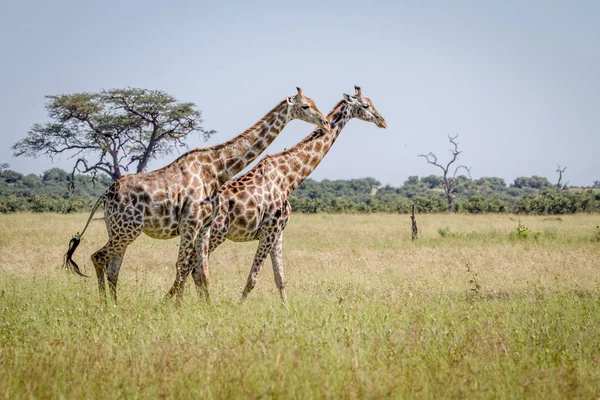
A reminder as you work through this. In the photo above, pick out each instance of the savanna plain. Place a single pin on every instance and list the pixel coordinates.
(480, 306)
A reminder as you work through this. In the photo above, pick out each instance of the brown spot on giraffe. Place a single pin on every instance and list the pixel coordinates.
(314, 161)
(242, 196)
(303, 157)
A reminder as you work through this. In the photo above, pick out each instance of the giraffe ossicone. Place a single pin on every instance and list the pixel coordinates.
(180, 199)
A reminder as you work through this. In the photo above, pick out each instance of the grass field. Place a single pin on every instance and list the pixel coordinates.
(480, 312)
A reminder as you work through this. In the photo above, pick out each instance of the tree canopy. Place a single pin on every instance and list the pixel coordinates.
(113, 131)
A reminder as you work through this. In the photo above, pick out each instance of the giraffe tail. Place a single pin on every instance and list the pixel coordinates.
(68, 262)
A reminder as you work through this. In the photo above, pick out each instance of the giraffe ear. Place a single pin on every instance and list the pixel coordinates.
(291, 100)
(348, 98)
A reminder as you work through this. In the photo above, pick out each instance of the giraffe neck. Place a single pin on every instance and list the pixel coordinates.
(237, 153)
(300, 161)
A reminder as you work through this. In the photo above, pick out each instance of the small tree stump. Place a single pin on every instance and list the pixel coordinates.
(415, 230)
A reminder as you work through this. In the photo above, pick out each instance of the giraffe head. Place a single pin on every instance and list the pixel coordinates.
(362, 108)
(304, 108)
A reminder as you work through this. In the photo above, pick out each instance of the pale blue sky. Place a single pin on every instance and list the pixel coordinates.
(518, 81)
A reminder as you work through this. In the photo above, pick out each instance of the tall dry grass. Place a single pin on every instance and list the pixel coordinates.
(478, 312)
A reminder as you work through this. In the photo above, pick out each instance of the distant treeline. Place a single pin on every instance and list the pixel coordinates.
(530, 195)
(49, 192)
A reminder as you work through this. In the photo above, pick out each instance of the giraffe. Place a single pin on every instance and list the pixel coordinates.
(255, 206)
(180, 199)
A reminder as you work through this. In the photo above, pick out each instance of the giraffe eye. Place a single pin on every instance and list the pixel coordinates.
(305, 106)
(365, 106)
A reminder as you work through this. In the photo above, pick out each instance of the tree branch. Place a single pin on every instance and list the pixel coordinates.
(468, 169)
(433, 156)
(87, 169)
(448, 183)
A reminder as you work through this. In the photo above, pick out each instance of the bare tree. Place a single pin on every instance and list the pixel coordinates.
(559, 184)
(449, 181)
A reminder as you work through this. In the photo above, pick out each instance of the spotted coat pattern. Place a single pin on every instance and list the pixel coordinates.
(255, 206)
(181, 198)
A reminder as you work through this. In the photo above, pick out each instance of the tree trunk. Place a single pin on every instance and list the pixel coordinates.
(143, 163)
(450, 202)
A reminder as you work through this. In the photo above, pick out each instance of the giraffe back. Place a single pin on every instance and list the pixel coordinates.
(182, 192)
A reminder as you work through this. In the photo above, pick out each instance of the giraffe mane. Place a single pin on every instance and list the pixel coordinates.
(336, 108)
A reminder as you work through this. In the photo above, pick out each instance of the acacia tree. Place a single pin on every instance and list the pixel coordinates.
(449, 181)
(113, 131)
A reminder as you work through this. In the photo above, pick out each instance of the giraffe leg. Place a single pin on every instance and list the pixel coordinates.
(183, 265)
(264, 247)
(100, 259)
(100, 273)
(201, 267)
(112, 272)
(107, 260)
(200, 278)
(277, 261)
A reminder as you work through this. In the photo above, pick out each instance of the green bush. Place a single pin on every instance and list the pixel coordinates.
(479, 204)
(523, 233)
(445, 232)
(12, 204)
(554, 202)
(39, 204)
(433, 204)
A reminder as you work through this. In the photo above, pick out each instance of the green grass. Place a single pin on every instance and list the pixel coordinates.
(480, 314)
